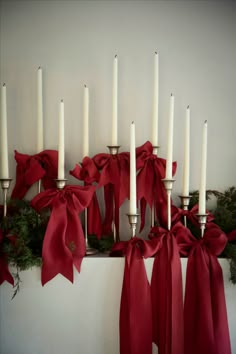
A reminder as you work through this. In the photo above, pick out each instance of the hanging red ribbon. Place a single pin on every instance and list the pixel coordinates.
(152, 171)
(5, 274)
(206, 324)
(31, 169)
(135, 307)
(88, 173)
(167, 293)
(115, 179)
(64, 243)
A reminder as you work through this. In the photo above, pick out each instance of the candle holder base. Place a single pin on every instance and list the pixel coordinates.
(133, 221)
(202, 219)
(113, 149)
(90, 251)
(5, 185)
(155, 149)
(60, 182)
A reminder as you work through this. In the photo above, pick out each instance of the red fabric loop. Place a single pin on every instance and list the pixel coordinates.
(88, 173)
(135, 307)
(31, 169)
(115, 179)
(167, 293)
(206, 324)
(152, 171)
(64, 243)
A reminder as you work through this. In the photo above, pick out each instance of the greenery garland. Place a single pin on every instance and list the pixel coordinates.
(24, 232)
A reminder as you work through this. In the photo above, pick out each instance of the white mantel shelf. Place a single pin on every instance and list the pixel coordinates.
(79, 318)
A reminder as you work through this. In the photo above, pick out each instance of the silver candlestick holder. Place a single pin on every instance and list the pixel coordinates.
(133, 221)
(61, 182)
(185, 199)
(89, 250)
(114, 150)
(5, 185)
(39, 186)
(202, 219)
(168, 183)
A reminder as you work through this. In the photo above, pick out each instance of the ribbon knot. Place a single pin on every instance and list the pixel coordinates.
(31, 169)
(64, 244)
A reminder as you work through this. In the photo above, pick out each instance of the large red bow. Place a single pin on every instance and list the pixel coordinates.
(115, 179)
(64, 243)
(206, 324)
(88, 173)
(5, 274)
(31, 169)
(167, 293)
(152, 171)
(135, 307)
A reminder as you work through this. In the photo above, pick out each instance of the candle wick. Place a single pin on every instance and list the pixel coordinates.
(155, 52)
(171, 94)
(132, 122)
(116, 56)
(188, 107)
(205, 121)
(62, 100)
(39, 67)
(4, 84)
(85, 85)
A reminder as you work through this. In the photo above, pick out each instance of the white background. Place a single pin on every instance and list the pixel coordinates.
(75, 42)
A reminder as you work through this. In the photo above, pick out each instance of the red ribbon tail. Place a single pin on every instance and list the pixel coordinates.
(108, 197)
(94, 218)
(143, 205)
(167, 299)
(5, 274)
(135, 309)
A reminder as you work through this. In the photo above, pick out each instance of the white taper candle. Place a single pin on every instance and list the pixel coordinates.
(133, 198)
(155, 101)
(39, 110)
(61, 143)
(4, 169)
(86, 122)
(185, 191)
(114, 137)
(202, 189)
(169, 158)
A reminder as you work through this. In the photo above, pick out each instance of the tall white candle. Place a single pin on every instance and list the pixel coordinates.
(202, 189)
(114, 137)
(169, 158)
(4, 169)
(86, 122)
(155, 101)
(39, 111)
(61, 143)
(133, 203)
(185, 191)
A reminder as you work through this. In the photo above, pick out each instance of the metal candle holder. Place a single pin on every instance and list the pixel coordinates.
(89, 250)
(5, 185)
(133, 221)
(60, 182)
(168, 183)
(202, 219)
(114, 150)
(185, 199)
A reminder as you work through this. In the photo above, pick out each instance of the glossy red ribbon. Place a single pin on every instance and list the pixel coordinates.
(64, 243)
(167, 293)
(135, 307)
(5, 274)
(31, 169)
(152, 171)
(205, 316)
(115, 179)
(88, 173)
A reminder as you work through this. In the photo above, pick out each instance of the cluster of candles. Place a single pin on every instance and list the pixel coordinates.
(4, 169)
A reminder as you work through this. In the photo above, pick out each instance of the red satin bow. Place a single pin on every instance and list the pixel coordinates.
(206, 324)
(88, 173)
(5, 274)
(167, 293)
(115, 179)
(31, 169)
(135, 307)
(152, 171)
(64, 243)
